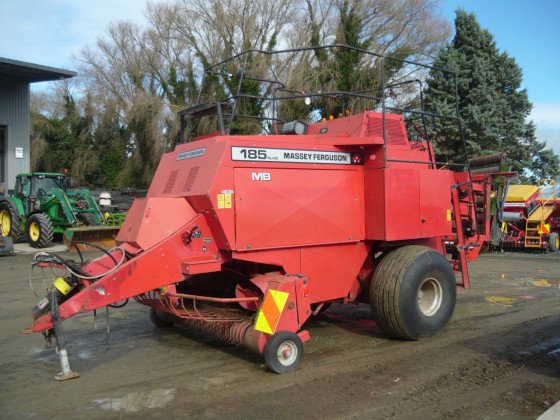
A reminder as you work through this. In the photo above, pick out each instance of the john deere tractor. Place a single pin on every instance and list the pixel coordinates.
(42, 206)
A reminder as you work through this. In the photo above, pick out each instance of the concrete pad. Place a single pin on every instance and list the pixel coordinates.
(553, 413)
(25, 248)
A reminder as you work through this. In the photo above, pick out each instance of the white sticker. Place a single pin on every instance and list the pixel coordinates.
(191, 154)
(260, 154)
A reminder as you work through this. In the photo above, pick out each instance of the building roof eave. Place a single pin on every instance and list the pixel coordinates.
(20, 71)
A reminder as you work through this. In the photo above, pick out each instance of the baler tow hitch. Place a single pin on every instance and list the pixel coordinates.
(66, 373)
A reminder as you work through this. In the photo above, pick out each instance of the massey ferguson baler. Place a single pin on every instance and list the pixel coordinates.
(245, 237)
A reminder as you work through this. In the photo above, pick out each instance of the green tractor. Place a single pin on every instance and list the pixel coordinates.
(42, 206)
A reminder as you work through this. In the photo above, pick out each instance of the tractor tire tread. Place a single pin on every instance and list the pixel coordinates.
(16, 231)
(46, 232)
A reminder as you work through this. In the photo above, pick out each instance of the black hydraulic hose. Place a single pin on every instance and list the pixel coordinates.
(114, 305)
(96, 247)
(80, 254)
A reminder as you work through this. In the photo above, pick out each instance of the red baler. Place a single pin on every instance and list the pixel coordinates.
(245, 237)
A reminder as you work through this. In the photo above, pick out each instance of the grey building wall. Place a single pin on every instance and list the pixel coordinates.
(14, 116)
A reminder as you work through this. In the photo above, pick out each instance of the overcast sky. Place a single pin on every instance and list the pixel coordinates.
(52, 33)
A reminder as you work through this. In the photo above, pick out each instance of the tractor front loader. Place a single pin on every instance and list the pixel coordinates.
(245, 237)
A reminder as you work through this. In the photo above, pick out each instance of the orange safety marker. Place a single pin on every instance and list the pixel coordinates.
(544, 229)
(271, 309)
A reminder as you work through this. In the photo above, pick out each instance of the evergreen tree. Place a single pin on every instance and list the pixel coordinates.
(64, 142)
(492, 106)
(110, 144)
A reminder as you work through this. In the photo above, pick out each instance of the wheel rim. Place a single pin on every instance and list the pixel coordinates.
(5, 223)
(34, 231)
(287, 353)
(430, 297)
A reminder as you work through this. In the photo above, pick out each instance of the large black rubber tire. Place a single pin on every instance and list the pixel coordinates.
(283, 352)
(39, 231)
(553, 242)
(158, 318)
(10, 222)
(88, 219)
(413, 292)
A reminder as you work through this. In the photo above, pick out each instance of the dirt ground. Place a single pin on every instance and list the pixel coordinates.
(498, 358)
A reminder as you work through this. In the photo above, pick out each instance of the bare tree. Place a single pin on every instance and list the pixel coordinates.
(148, 73)
(219, 29)
(136, 69)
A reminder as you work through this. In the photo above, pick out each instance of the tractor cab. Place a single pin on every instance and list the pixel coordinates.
(32, 188)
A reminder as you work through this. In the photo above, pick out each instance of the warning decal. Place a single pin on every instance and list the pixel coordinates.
(271, 309)
(224, 201)
(260, 154)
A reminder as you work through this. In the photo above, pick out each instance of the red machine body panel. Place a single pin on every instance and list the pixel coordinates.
(412, 206)
(151, 220)
(296, 207)
(190, 170)
(368, 125)
(330, 277)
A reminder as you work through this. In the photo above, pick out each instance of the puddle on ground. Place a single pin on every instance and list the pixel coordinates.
(137, 401)
(545, 283)
(550, 346)
(508, 301)
(528, 297)
(85, 355)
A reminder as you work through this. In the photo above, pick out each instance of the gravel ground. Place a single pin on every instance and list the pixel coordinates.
(498, 358)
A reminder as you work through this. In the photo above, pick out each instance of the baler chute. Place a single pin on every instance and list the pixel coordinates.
(244, 237)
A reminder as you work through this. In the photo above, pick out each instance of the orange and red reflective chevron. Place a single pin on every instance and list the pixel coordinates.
(271, 309)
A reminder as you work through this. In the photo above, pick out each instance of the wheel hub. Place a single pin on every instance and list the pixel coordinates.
(5, 222)
(430, 297)
(287, 353)
(34, 231)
